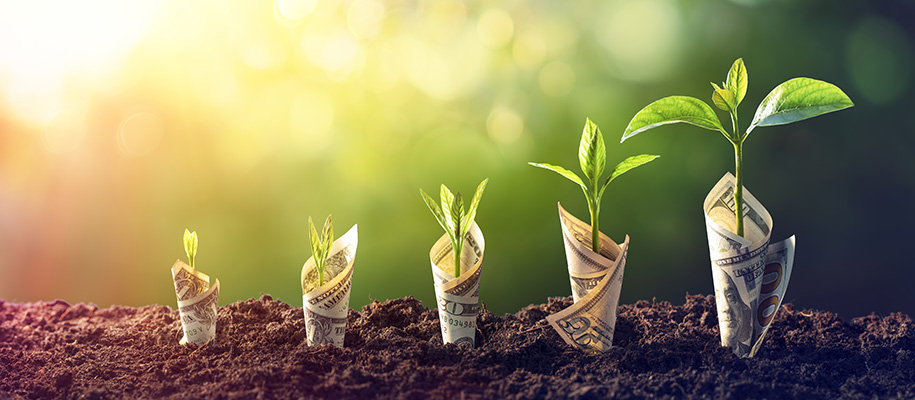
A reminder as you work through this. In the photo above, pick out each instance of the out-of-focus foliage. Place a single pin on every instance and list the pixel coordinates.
(121, 123)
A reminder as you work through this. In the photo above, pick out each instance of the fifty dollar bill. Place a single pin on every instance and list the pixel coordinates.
(749, 274)
(596, 281)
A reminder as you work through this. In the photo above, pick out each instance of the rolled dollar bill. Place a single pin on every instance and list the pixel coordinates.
(749, 274)
(326, 306)
(458, 298)
(596, 281)
(197, 303)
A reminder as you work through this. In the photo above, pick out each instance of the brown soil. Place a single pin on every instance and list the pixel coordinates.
(394, 350)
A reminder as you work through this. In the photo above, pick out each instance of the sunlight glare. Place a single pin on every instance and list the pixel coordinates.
(43, 43)
(140, 134)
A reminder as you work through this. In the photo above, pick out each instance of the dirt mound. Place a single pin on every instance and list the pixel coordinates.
(394, 350)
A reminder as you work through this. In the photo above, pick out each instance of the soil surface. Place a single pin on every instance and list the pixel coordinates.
(394, 350)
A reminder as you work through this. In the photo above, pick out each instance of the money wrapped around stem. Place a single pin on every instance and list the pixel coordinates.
(596, 280)
(750, 274)
(458, 298)
(325, 305)
(198, 301)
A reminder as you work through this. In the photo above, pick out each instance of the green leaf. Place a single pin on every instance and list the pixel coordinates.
(670, 110)
(798, 99)
(592, 153)
(328, 237)
(190, 246)
(447, 201)
(723, 99)
(457, 214)
(625, 166)
(315, 240)
(737, 81)
(437, 212)
(472, 211)
(562, 171)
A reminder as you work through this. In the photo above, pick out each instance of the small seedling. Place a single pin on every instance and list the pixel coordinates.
(190, 246)
(452, 218)
(592, 157)
(794, 100)
(320, 245)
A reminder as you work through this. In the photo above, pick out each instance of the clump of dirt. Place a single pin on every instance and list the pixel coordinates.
(393, 350)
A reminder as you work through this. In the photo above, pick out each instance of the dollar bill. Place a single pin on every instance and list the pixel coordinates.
(596, 281)
(197, 303)
(458, 298)
(749, 274)
(326, 306)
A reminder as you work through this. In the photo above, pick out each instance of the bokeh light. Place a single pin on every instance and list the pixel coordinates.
(880, 59)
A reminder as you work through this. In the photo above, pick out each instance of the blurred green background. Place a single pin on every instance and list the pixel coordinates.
(122, 124)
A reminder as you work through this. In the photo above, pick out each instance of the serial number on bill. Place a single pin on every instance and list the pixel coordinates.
(459, 324)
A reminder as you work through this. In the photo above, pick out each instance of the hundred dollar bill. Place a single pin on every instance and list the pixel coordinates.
(596, 281)
(197, 303)
(326, 306)
(749, 274)
(458, 299)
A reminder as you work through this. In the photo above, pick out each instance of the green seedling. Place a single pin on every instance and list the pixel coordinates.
(190, 246)
(592, 157)
(794, 100)
(320, 245)
(452, 218)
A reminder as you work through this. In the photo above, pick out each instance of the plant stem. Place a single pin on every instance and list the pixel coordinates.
(458, 249)
(319, 268)
(738, 191)
(594, 208)
(737, 140)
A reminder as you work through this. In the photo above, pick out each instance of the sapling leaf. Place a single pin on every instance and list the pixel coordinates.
(457, 213)
(737, 81)
(315, 239)
(626, 165)
(670, 110)
(723, 99)
(328, 236)
(798, 99)
(592, 153)
(190, 246)
(320, 245)
(447, 201)
(472, 211)
(564, 172)
(437, 212)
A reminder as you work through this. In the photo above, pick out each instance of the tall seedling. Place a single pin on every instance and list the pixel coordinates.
(592, 157)
(794, 100)
(453, 219)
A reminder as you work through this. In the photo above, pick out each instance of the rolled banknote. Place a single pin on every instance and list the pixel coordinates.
(749, 274)
(326, 306)
(596, 281)
(458, 299)
(197, 303)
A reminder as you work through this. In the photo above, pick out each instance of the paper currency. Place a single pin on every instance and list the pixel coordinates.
(596, 281)
(458, 299)
(749, 274)
(325, 307)
(197, 303)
